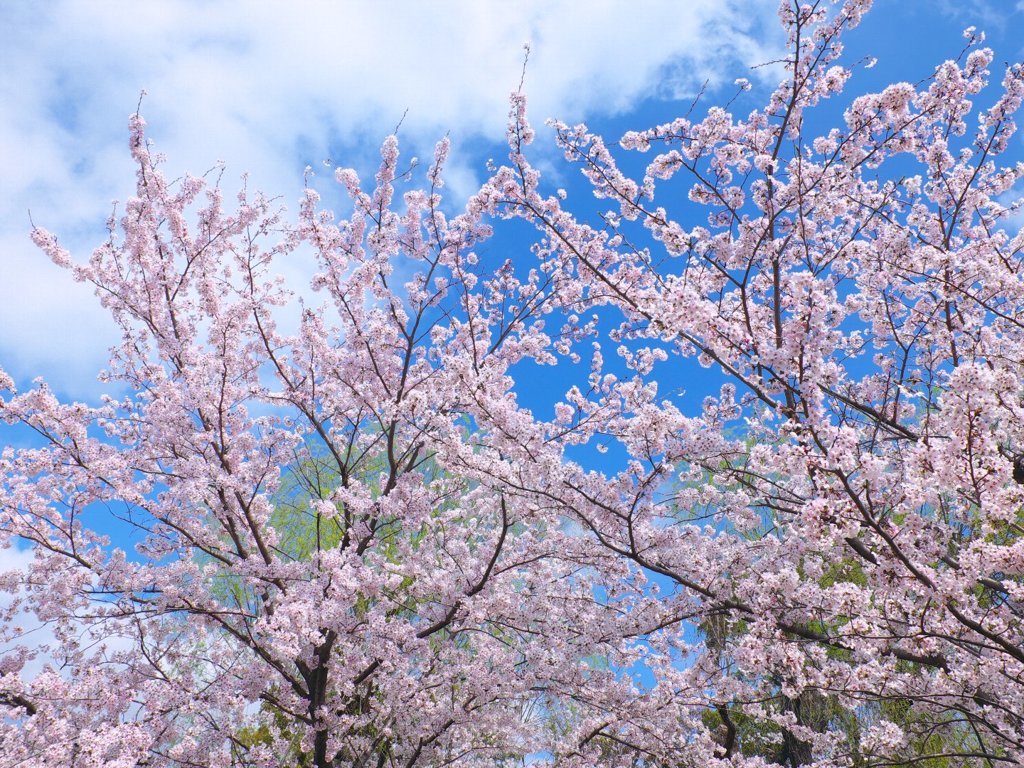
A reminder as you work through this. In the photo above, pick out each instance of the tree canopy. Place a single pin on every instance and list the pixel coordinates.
(362, 542)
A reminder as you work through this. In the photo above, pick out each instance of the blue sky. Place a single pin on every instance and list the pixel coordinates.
(271, 87)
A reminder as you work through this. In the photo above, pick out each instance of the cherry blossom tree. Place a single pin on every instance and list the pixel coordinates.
(359, 542)
(843, 519)
(427, 610)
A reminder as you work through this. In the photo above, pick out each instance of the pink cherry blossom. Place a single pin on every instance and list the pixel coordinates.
(347, 534)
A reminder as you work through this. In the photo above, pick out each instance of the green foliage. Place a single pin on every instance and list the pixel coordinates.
(280, 729)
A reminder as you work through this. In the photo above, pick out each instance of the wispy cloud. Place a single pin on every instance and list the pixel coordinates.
(986, 14)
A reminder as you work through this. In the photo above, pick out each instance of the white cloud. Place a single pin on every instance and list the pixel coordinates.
(268, 86)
